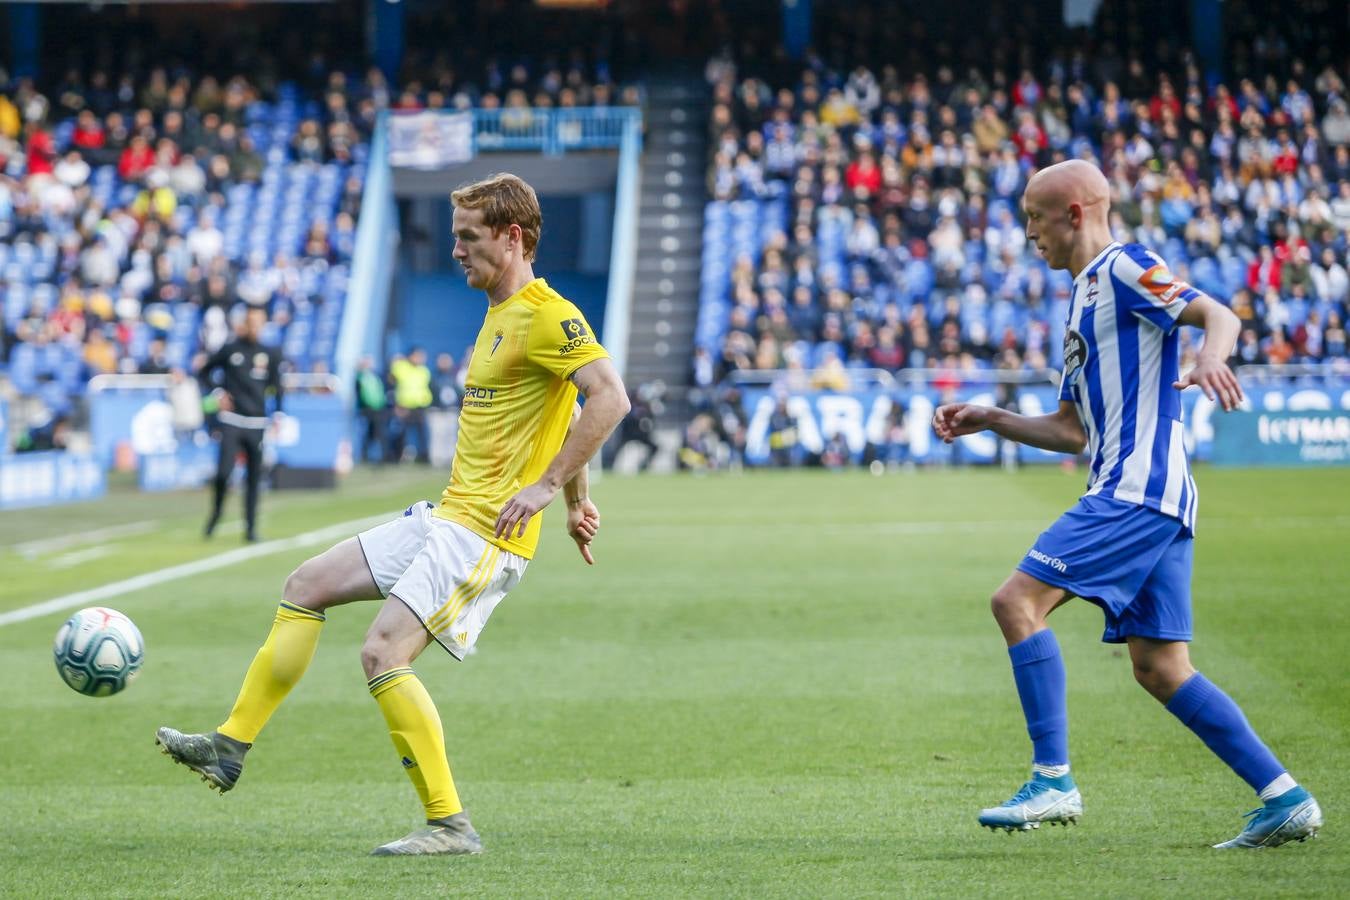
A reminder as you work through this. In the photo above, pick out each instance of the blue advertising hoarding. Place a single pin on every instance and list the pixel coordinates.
(139, 420)
(189, 465)
(45, 478)
(135, 426)
(1283, 438)
(861, 417)
(311, 433)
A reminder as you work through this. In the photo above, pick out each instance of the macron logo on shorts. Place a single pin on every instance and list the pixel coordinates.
(1053, 562)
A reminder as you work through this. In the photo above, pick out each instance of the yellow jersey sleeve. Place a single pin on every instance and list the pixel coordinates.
(561, 340)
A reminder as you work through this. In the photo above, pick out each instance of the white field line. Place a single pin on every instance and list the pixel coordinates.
(183, 570)
(344, 529)
(75, 557)
(34, 549)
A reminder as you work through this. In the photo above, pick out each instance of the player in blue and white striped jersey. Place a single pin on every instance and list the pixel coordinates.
(1127, 544)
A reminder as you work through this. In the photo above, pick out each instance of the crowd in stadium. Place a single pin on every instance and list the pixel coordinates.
(137, 216)
(863, 212)
(883, 210)
(142, 211)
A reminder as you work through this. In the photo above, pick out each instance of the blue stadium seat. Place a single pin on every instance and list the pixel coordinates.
(1205, 276)
(55, 396)
(1234, 272)
(23, 365)
(72, 374)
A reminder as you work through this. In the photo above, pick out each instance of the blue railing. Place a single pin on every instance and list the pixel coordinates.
(550, 131)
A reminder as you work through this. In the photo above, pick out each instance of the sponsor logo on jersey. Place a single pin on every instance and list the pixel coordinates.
(1075, 356)
(1053, 562)
(480, 397)
(575, 334)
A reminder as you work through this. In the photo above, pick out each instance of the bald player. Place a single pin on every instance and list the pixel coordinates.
(1126, 545)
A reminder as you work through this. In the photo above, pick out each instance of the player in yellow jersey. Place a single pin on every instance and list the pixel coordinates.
(441, 569)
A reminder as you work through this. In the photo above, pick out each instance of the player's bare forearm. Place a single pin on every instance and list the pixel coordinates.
(1221, 327)
(1060, 431)
(577, 488)
(606, 405)
(1211, 373)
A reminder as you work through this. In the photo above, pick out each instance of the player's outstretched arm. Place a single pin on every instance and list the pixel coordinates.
(1061, 431)
(583, 519)
(606, 405)
(1211, 370)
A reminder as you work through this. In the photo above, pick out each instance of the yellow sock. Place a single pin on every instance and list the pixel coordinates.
(415, 727)
(276, 669)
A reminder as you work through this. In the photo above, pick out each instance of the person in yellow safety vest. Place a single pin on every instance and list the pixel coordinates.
(412, 396)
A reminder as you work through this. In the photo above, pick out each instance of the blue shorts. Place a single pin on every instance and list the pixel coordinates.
(1132, 561)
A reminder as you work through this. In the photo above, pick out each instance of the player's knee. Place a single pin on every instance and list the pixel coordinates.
(303, 588)
(371, 657)
(1161, 677)
(1009, 607)
(1155, 677)
(1148, 675)
(379, 655)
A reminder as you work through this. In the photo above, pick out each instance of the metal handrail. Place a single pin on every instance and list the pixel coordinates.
(769, 376)
(136, 382)
(887, 379)
(1260, 372)
(130, 382)
(982, 376)
(552, 130)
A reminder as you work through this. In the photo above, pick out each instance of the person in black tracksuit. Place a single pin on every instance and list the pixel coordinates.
(247, 370)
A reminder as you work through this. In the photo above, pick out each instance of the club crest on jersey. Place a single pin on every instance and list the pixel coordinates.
(1092, 291)
(1075, 356)
(496, 341)
(575, 334)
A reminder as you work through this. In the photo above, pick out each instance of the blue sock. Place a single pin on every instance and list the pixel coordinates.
(1218, 721)
(1038, 670)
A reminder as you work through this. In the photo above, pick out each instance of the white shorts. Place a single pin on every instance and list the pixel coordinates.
(450, 577)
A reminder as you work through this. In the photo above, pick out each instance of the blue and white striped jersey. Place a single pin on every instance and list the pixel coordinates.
(1121, 357)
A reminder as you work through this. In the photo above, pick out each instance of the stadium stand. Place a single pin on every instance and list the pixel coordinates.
(140, 211)
(860, 217)
(160, 216)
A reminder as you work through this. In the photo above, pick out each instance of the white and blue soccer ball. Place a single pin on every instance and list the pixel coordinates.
(98, 651)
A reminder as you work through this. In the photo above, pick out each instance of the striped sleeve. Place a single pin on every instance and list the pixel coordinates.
(1146, 287)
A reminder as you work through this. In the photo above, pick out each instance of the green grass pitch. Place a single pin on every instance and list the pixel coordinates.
(779, 684)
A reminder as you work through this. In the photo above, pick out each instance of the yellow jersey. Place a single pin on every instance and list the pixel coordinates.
(517, 407)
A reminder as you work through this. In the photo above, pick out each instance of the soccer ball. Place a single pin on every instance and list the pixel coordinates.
(98, 651)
